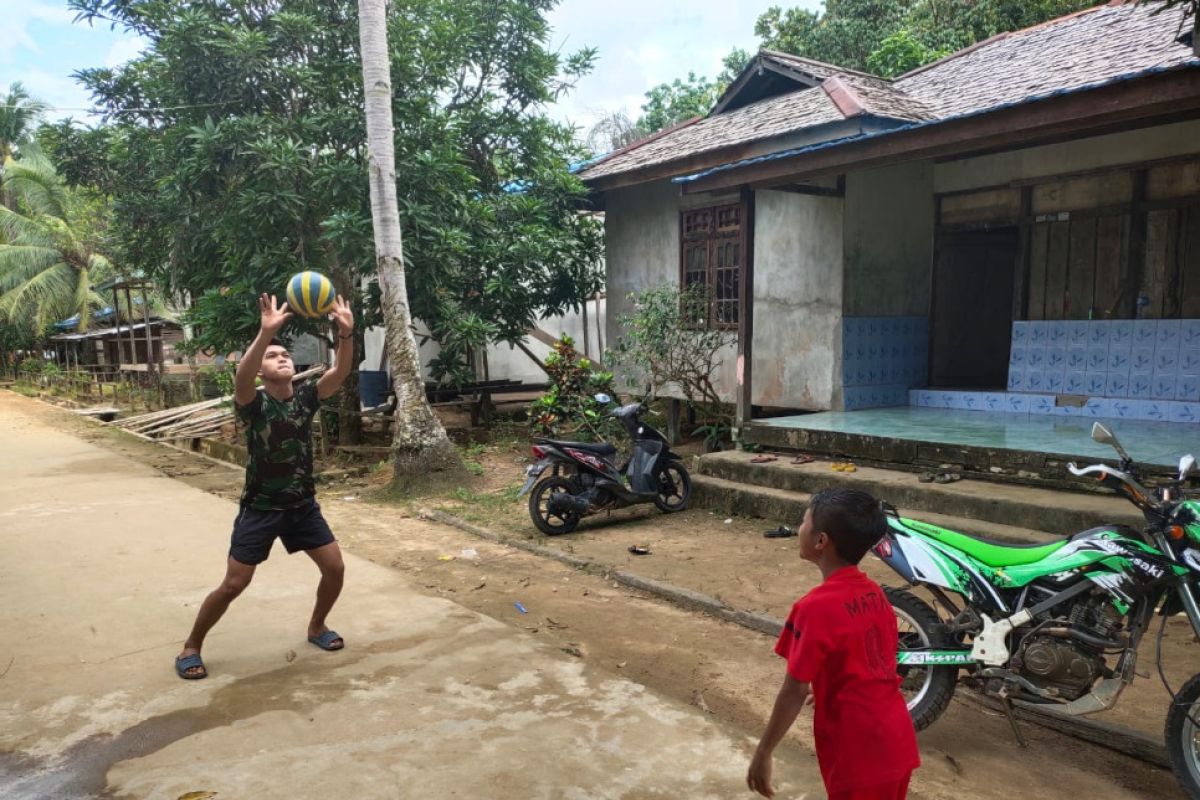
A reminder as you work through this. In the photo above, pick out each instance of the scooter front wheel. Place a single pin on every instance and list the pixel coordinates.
(674, 488)
(548, 520)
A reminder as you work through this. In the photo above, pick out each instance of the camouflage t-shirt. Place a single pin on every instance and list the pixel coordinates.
(279, 443)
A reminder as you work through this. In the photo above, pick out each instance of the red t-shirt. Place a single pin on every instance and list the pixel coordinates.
(841, 638)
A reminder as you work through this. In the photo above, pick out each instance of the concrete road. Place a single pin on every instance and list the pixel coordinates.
(102, 564)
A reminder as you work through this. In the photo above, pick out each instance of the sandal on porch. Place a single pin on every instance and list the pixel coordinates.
(763, 459)
(947, 477)
(184, 663)
(803, 458)
(329, 640)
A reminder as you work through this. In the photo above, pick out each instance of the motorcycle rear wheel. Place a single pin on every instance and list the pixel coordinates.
(549, 522)
(674, 488)
(927, 690)
(1183, 737)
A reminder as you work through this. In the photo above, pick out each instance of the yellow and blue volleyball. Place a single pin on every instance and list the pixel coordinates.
(310, 294)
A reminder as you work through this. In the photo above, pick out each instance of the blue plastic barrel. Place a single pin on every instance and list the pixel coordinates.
(372, 387)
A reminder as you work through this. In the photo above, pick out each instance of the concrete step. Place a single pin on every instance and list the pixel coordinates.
(1050, 511)
(787, 507)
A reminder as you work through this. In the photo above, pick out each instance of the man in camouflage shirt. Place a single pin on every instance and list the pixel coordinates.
(279, 498)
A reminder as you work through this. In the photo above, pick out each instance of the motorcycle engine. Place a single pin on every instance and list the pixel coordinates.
(1066, 665)
(1061, 664)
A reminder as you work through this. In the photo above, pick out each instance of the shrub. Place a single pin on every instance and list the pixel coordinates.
(663, 347)
(569, 407)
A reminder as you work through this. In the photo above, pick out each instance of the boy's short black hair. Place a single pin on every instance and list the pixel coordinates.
(275, 341)
(853, 519)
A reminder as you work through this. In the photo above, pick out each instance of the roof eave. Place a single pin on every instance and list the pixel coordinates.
(1144, 96)
(700, 162)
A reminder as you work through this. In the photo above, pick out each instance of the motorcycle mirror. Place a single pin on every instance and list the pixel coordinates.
(1186, 465)
(602, 398)
(1101, 434)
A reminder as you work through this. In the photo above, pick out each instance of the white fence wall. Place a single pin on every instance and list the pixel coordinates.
(511, 363)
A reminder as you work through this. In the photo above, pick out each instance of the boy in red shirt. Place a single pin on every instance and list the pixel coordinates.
(840, 645)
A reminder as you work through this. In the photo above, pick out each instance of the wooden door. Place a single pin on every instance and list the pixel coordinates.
(971, 323)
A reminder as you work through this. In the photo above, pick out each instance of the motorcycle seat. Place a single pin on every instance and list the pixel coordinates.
(599, 448)
(991, 553)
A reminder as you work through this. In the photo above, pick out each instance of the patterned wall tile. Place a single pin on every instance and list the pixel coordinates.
(1163, 386)
(1140, 385)
(1142, 359)
(1145, 332)
(1075, 383)
(1187, 387)
(1189, 333)
(1184, 412)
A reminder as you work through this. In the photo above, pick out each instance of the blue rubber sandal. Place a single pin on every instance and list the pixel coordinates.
(326, 641)
(184, 663)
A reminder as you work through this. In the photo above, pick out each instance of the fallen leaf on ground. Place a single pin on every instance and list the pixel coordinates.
(698, 701)
(291, 656)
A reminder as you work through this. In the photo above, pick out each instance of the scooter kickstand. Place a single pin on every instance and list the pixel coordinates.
(1009, 712)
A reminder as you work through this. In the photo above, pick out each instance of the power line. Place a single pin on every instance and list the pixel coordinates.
(115, 111)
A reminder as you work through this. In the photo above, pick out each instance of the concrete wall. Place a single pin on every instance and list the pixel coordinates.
(798, 284)
(504, 361)
(1129, 147)
(798, 254)
(889, 241)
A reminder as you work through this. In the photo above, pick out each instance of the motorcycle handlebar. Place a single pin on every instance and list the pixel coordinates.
(1136, 492)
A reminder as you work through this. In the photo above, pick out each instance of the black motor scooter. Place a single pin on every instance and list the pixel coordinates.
(585, 479)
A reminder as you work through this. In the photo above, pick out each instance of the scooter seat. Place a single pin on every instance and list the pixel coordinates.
(599, 448)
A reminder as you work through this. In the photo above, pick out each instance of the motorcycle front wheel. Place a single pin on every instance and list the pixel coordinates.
(546, 520)
(674, 488)
(1183, 737)
(927, 689)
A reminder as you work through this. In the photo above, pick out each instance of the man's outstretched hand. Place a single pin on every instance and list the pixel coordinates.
(274, 315)
(343, 316)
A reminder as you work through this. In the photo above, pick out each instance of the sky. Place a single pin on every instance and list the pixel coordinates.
(642, 43)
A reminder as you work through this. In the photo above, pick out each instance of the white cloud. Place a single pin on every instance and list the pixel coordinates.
(19, 14)
(124, 49)
(643, 43)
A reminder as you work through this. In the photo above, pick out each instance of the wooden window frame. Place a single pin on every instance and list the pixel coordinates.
(711, 235)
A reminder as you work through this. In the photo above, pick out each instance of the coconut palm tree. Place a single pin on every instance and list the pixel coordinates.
(19, 114)
(48, 268)
(420, 446)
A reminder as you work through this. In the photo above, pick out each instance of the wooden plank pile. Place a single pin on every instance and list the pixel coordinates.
(191, 421)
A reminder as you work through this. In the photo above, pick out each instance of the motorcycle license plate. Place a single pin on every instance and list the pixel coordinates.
(532, 473)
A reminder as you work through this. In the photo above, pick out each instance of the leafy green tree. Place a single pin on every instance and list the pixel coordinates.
(49, 264)
(678, 101)
(900, 53)
(251, 162)
(671, 103)
(845, 34)
(849, 32)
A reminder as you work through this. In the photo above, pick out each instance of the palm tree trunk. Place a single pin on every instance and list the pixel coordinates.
(420, 447)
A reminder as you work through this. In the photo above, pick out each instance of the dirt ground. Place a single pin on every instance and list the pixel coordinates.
(725, 669)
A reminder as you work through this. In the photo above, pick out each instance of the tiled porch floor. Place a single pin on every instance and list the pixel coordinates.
(1160, 443)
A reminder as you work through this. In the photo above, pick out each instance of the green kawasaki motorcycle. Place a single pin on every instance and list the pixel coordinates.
(1057, 624)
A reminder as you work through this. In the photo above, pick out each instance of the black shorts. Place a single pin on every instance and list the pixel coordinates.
(301, 528)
